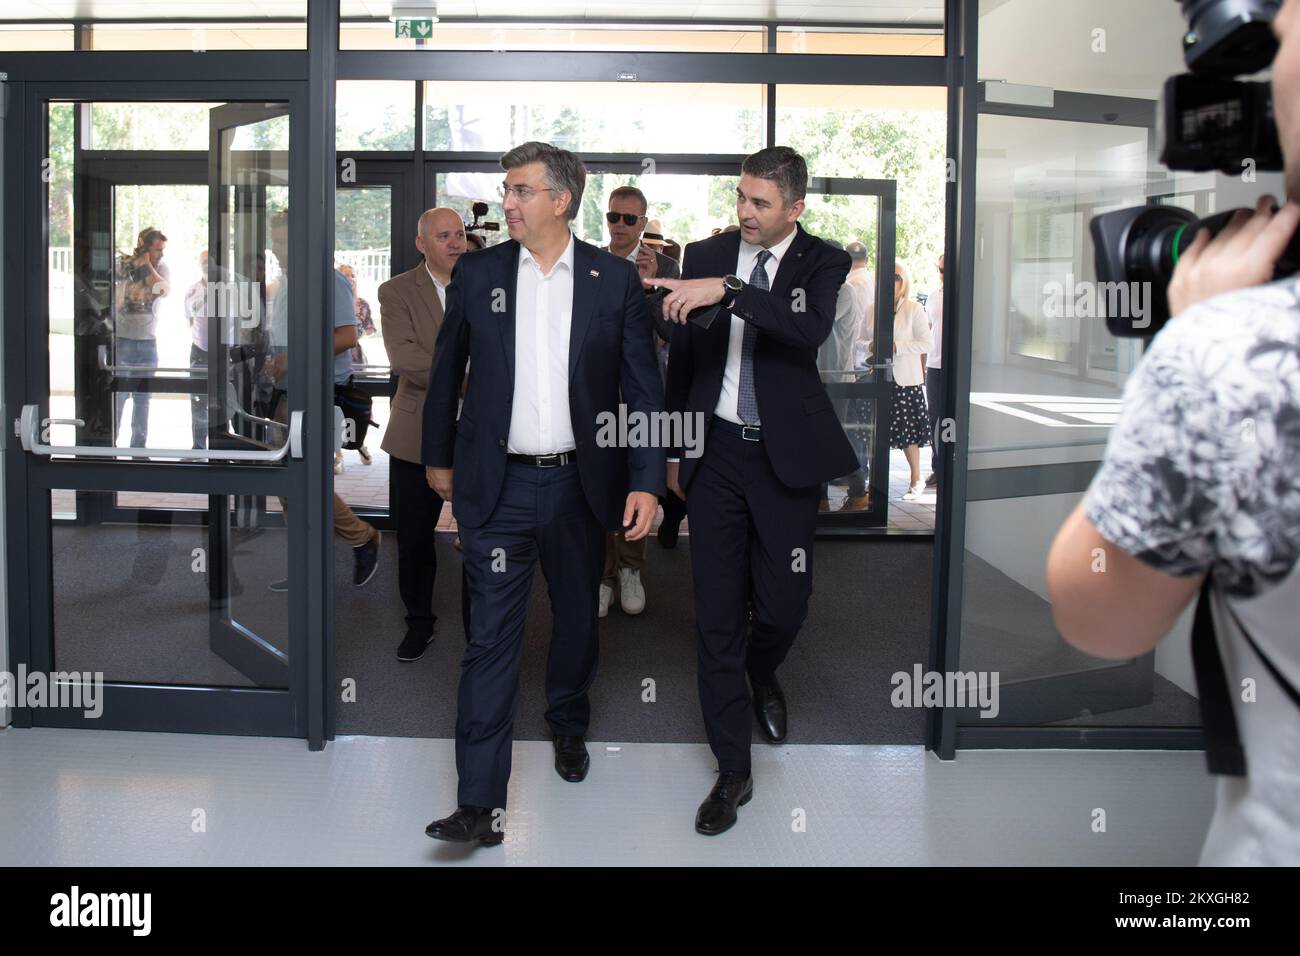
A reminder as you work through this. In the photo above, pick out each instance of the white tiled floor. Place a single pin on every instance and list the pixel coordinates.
(83, 797)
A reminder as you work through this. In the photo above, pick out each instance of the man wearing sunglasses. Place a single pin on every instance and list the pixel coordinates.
(624, 559)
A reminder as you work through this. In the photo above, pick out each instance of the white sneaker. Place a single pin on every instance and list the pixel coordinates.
(606, 596)
(916, 491)
(631, 595)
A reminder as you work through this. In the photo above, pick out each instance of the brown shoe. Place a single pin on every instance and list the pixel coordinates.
(857, 503)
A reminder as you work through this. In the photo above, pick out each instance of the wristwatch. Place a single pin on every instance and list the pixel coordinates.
(733, 287)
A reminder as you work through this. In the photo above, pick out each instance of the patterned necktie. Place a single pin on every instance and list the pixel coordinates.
(746, 400)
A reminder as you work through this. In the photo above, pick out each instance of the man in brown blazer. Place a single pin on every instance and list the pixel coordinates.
(411, 307)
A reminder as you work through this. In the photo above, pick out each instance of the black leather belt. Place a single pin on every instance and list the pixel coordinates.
(747, 432)
(546, 461)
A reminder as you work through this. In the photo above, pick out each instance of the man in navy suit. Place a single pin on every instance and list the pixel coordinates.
(556, 330)
(749, 366)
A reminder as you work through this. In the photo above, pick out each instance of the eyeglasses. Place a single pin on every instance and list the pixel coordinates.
(521, 193)
(898, 278)
(629, 218)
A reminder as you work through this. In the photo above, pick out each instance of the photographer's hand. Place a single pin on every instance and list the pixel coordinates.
(1244, 254)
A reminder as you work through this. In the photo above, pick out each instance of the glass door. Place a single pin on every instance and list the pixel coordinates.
(859, 215)
(160, 421)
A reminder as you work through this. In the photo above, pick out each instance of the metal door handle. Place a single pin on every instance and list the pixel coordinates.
(102, 353)
(30, 424)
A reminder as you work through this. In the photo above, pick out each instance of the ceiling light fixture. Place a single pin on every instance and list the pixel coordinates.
(414, 10)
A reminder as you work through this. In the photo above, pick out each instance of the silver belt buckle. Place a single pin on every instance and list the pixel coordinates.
(549, 461)
(746, 429)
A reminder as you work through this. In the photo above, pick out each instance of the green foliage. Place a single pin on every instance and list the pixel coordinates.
(907, 146)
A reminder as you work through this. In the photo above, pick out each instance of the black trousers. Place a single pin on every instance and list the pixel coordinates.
(542, 514)
(751, 542)
(416, 508)
(934, 399)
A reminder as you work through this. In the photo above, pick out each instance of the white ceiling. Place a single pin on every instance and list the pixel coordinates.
(921, 12)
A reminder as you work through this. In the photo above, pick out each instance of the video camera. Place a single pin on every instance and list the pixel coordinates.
(1208, 120)
(479, 209)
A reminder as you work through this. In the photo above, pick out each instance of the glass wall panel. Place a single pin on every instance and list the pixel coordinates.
(199, 37)
(501, 37)
(1046, 375)
(32, 38)
(644, 118)
(209, 577)
(375, 114)
(809, 39)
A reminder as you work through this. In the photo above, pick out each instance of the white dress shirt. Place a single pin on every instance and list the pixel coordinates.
(437, 286)
(934, 312)
(726, 407)
(539, 412)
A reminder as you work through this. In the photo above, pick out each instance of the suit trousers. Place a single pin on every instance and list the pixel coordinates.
(751, 545)
(416, 509)
(934, 399)
(621, 553)
(542, 514)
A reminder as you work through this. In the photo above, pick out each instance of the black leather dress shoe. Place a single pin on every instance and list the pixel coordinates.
(718, 812)
(769, 706)
(571, 759)
(467, 825)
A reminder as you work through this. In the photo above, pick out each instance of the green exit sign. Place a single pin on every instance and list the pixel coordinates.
(414, 29)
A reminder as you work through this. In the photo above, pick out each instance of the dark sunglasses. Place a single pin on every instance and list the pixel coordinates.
(898, 278)
(629, 218)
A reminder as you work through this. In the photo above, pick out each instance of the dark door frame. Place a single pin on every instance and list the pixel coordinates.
(29, 478)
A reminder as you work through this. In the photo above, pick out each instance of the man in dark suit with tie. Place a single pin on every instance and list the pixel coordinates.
(749, 366)
(556, 330)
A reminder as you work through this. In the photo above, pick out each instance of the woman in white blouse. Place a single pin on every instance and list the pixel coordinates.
(909, 427)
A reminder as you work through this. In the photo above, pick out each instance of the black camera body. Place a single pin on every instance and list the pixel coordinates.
(1208, 120)
(479, 209)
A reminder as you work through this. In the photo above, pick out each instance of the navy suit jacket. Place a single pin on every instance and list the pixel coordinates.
(802, 436)
(611, 353)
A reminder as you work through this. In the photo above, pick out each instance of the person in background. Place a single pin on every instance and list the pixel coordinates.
(909, 426)
(362, 536)
(144, 281)
(631, 238)
(196, 314)
(934, 373)
(411, 311)
(365, 326)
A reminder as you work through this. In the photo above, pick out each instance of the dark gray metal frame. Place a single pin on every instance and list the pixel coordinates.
(132, 705)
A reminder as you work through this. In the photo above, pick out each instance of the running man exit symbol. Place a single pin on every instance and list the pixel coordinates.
(414, 29)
